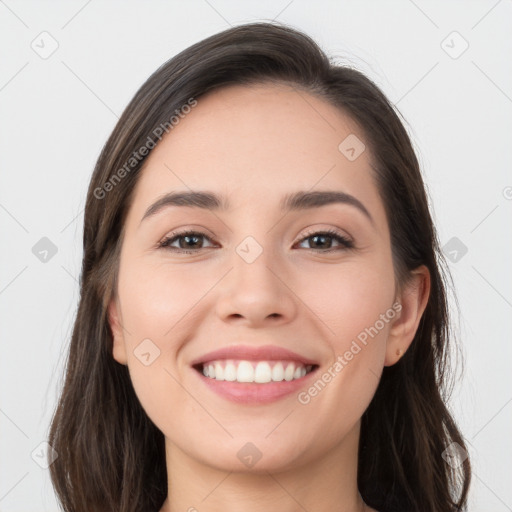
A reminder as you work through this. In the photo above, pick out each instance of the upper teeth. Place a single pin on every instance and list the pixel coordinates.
(254, 371)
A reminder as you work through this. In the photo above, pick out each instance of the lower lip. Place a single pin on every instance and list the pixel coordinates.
(253, 393)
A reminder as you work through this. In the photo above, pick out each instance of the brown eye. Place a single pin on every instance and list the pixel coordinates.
(188, 241)
(323, 241)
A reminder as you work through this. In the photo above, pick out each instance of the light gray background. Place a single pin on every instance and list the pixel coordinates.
(56, 113)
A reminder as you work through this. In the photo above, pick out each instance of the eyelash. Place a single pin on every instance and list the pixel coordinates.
(345, 242)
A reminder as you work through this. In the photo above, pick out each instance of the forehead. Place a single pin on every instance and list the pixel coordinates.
(254, 144)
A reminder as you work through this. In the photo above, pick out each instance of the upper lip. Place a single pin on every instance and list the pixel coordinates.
(251, 353)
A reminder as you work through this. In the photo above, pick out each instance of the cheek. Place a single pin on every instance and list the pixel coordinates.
(157, 300)
(157, 307)
(355, 306)
(349, 299)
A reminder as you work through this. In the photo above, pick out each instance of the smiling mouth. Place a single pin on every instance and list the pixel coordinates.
(258, 372)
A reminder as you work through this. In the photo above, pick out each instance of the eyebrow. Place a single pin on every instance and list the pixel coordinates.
(296, 201)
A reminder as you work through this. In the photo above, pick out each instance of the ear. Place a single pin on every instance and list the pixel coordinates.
(118, 343)
(413, 299)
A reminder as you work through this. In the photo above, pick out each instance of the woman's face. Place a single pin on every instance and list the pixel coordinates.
(254, 281)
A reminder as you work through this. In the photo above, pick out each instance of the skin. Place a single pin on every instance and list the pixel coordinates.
(255, 144)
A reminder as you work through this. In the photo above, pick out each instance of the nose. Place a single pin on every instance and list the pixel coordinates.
(256, 294)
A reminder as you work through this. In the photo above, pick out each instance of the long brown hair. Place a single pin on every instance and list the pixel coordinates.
(111, 456)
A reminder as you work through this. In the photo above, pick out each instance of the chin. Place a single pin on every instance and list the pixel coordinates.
(261, 456)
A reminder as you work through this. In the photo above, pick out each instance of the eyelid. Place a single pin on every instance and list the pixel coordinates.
(192, 229)
(328, 231)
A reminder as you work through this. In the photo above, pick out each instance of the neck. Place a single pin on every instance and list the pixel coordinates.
(325, 483)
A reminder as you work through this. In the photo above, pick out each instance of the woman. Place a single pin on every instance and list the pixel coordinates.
(263, 320)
